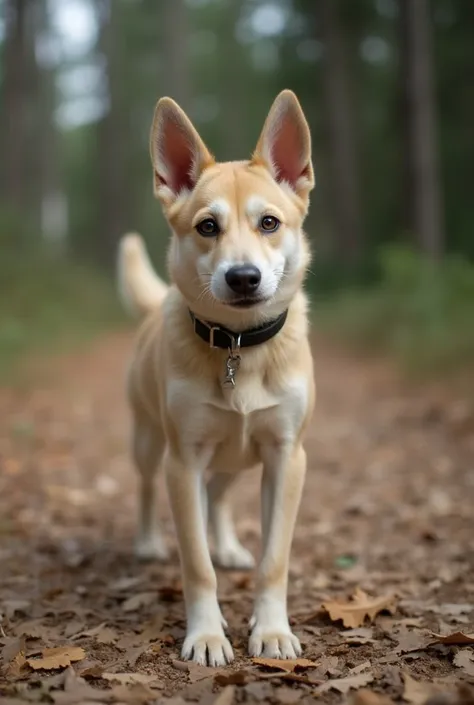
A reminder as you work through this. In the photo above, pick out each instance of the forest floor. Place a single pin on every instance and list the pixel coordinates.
(387, 517)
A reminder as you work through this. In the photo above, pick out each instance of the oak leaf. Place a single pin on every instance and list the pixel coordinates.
(465, 659)
(454, 638)
(354, 613)
(57, 657)
(288, 665)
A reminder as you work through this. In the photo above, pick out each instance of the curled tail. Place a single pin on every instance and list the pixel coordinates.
(141, 289)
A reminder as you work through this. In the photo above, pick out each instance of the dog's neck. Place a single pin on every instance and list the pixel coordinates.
(236, 320)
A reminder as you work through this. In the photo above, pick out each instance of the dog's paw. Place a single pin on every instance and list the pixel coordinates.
(207, 649)
(234, 558)
(281, 643)
(151, 548)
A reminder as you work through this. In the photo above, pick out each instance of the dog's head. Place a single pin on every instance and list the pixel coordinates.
(238, 252)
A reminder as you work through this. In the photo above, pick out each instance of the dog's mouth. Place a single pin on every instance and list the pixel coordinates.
(247, 302)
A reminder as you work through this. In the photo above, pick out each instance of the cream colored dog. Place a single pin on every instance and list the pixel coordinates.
(222, 375)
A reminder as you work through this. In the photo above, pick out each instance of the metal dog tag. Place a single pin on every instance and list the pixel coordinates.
(232, 363)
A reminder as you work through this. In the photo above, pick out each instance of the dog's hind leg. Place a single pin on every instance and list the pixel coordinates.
(148, 445)
(229, 552)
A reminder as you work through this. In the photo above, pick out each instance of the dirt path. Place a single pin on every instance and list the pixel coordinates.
(388, 508)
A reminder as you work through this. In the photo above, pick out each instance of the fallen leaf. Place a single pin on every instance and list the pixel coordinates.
(343, 685)
(91, 672)
(409, 641)
(454, 638)
(142, 599)
(235, 678)
(359, 636)
(465, 659)
(199, 673)
(354, 613)
(58, 657)
(289, 665)
(126, 678)
(226, 696)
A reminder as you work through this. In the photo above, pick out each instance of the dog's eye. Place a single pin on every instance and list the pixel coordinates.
(269, 223)
(208, 227)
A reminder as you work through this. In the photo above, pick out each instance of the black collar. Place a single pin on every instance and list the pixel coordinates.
(219, 337)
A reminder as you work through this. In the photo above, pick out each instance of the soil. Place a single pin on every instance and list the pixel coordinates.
(386, 529)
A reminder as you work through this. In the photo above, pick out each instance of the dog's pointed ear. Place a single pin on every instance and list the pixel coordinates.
(284, 146)
(178, 154)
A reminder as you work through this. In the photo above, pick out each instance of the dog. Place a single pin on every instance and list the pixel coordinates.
(221, 378)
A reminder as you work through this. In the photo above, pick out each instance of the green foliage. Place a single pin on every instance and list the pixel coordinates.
(47, 301)
(421, 311)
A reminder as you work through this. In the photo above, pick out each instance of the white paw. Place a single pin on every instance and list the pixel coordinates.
(207, 649)
(278, 643)
(235, 557)
(151, 548)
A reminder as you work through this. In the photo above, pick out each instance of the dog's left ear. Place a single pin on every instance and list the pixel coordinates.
(284, 146)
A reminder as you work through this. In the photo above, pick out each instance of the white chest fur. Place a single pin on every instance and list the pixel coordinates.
(227, 430)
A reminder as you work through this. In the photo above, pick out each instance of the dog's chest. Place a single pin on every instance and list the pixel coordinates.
(231, 427)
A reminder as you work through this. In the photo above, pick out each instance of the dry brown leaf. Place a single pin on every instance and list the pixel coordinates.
(409, 641)
(226, 696)
(454, 638)
(129, 678)
(363, 635)
(289, 665)
(344, 685)
(354, 613)
(235, 678)
(58, 657)
(465, 659)
(142, 599)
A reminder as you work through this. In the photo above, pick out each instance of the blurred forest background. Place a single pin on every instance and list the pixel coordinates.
(387, 86)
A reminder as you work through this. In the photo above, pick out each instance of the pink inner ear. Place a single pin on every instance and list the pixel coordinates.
(177, 154)
(286, 152)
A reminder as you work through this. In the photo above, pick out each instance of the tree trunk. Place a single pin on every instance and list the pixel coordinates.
(340, 116)
(115, 189)
(422, 153)
(13, 105)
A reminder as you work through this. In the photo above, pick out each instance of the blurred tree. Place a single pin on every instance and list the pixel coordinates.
(421, 149)
(341, 119)
(13, 104)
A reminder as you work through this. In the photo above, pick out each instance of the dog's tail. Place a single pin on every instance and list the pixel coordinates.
(141, 289)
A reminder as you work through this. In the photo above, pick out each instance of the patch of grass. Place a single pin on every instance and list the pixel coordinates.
(48, 303)
(421, 312)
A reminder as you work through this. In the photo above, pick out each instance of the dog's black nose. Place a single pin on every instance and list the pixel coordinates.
(244, 279)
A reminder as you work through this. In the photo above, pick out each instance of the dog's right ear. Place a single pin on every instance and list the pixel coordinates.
(178, 154)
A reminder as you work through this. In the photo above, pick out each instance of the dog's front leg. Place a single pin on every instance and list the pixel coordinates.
(205, 641)
(282, 485)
